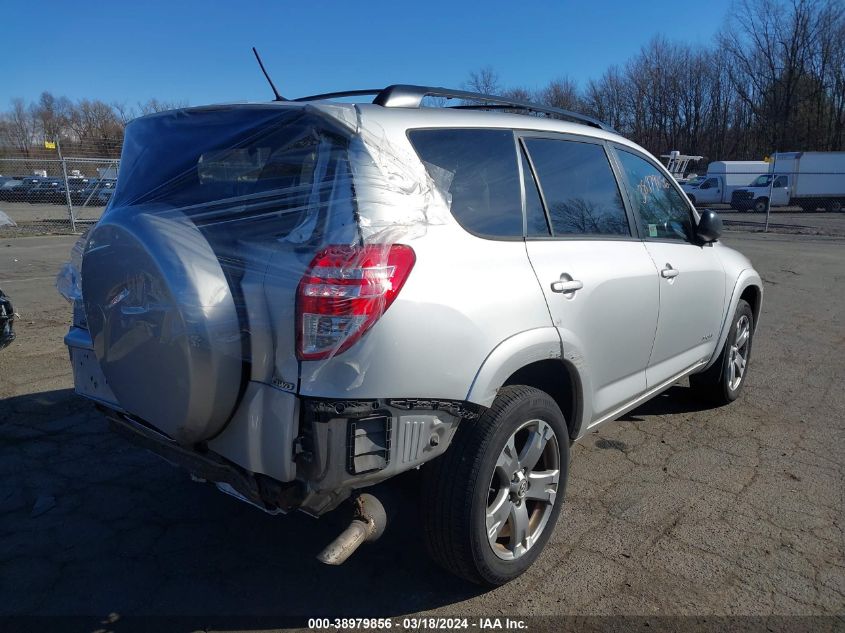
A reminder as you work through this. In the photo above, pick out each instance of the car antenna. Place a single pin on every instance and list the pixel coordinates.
(270, 81)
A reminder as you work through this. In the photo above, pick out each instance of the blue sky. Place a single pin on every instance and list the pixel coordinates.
(199, 51)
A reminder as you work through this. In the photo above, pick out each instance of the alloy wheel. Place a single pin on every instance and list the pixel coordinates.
(738, 357)
(523, 488)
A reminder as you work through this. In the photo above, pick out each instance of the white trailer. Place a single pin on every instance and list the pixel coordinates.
(811, 180)
(723, 176)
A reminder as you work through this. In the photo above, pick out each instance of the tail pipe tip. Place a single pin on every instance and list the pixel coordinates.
(367, 525)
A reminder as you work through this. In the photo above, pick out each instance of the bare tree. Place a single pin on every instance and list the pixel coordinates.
(51, 116)
(561, 93)
(485, 80)
(784, 61)
(17, 128)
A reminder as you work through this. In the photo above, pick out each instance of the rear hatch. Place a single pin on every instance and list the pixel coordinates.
(189, 280)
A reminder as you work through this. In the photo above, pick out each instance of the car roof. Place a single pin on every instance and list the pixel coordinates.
(377, 118)
(421, 117)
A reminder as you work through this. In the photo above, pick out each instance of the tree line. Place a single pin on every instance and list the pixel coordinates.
(88, 127)
(773, 79)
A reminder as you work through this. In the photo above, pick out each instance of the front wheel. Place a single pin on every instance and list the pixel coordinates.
(722, 382)
(491, 501)
(760, 205)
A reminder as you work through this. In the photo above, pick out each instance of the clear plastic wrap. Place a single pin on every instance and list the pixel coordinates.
(242, 241)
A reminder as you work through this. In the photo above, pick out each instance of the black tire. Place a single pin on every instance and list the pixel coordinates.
(716, 385)
(760, 205)
(456, 488)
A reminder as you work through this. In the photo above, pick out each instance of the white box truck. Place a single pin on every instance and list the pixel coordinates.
(723, 176)
(810, 180)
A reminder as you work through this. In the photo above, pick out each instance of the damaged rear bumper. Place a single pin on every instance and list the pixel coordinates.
(282, 452)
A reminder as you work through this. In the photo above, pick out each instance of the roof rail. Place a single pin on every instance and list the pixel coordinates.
(342, 93)
(408, 96)
(411, 97)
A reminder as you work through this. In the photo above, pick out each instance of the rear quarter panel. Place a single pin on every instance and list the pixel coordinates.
(464, 296)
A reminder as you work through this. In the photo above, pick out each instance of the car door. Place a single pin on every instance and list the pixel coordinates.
(598, 279)
(691, 276)
(711, 191)
(780, 191)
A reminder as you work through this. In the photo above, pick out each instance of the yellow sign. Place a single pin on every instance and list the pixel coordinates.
(49, 144)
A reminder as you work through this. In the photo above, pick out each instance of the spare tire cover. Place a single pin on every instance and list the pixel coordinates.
(163, 322)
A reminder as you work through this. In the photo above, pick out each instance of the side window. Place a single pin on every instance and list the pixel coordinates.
(780, 181)
(661, 211)
(535, 216)
(579, 188)
(710, 183)
(482, 175)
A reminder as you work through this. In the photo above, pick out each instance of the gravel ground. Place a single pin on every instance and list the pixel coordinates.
(673, 510)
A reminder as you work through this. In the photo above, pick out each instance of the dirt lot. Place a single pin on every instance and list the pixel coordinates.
(45, 218)
(674, 510)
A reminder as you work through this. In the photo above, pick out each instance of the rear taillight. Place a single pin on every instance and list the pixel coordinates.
(344, 292)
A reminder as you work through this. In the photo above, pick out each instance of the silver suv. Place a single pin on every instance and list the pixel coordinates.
(301, 299)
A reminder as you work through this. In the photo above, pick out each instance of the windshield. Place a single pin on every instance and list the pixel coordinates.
(762, 181)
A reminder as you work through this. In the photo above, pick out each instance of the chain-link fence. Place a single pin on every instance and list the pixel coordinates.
(52, 195)
(40, 195)
(799, 193)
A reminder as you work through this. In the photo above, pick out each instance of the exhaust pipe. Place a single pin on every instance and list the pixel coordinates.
(367, 524)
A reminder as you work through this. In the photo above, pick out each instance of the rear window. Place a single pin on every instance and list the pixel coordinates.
(241, 172)
(282, 159)
(482, 177)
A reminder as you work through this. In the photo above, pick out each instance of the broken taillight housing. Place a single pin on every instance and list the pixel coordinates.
(344, 292)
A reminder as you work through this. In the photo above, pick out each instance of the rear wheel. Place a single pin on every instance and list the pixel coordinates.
(492, 500)
(722, 382)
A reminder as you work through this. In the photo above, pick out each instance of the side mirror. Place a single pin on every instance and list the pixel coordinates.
(709, 227)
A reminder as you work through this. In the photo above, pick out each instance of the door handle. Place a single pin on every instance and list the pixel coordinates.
(566, 285)
(669, 272)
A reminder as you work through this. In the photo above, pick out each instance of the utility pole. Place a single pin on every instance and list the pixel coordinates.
(771, 187)
(67, 187)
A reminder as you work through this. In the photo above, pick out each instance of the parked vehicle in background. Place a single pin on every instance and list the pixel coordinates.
(810, 180)
(89, 195)
(679, 165)
(7, 320)
(299, 300)
(74, 186)
(102, 197)
(722, 177)
(7, 186)
(47, 190)
(16, 190)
